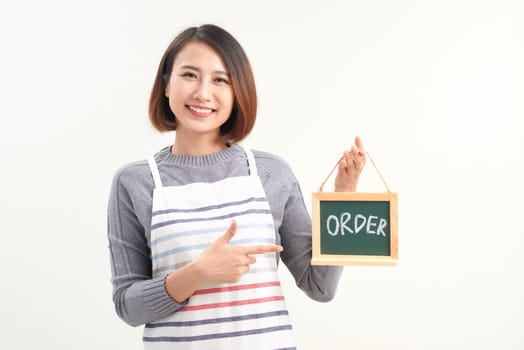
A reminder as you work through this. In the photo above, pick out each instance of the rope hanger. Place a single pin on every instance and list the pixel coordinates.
(372, 162)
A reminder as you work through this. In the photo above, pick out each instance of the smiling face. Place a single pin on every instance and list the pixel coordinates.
(200, 93)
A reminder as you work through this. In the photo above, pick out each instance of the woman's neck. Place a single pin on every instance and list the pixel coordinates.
(195, 146)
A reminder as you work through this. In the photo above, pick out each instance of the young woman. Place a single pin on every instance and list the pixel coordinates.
(196, 232)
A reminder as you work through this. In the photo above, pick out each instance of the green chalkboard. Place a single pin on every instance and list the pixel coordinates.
(354, 228)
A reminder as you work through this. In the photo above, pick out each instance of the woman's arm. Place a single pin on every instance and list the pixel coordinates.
(138, 297)
(318, 282)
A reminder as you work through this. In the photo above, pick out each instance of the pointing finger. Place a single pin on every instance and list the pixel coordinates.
(262, 249)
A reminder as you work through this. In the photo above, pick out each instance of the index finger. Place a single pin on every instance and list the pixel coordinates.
(261, 249)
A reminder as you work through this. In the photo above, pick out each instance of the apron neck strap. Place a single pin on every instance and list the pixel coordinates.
(251, 161)
(154, 171)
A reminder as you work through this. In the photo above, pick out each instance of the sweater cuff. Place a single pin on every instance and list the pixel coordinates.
(158, 300)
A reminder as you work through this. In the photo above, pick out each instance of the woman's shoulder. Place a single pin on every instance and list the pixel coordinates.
(136, 172)
(274, 166)
(131, 174)
(270, 158)
(132, 168)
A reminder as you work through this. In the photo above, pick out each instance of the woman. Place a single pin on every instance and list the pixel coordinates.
(196, 232)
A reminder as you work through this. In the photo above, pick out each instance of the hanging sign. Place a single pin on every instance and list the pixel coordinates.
(354, 228)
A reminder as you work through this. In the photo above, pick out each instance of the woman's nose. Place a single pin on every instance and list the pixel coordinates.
(202, 92)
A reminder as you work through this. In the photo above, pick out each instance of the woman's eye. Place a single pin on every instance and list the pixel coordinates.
(222, 81)
(189, 75)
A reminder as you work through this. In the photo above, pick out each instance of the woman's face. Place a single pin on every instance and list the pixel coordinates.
(199, 91)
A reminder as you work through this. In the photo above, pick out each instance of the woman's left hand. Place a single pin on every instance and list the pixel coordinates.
(350, 167)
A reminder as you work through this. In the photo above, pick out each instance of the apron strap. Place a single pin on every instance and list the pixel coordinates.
(154, 171)
(251, 161)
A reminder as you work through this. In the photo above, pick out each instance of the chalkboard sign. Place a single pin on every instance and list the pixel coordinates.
(354, 228)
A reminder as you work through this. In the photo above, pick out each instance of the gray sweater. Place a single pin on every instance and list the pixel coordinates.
(139, 298)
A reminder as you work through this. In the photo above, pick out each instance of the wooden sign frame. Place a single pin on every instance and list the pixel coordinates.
(332, 259)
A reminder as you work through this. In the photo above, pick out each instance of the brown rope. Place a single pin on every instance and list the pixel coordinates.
(372, 162)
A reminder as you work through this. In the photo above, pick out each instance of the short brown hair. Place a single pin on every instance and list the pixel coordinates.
(242, 118)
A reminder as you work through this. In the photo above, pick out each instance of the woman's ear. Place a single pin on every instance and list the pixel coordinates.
(166, 82)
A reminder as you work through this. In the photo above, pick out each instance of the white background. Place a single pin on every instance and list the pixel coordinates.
(435, 88)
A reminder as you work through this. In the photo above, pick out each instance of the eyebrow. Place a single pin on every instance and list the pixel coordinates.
(199, 70)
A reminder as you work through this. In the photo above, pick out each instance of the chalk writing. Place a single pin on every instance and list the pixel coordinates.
(343, 224)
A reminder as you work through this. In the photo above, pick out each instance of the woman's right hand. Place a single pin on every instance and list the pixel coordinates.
(222, 262)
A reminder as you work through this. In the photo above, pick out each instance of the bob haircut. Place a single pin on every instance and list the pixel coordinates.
(243, 115)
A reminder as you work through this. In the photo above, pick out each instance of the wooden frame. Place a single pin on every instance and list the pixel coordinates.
(331, 259)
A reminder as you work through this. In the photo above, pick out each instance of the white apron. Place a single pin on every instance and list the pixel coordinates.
(249, 314)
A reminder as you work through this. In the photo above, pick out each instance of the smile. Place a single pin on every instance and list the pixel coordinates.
(200, 110)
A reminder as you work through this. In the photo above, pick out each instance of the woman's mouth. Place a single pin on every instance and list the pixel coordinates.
(200, 111)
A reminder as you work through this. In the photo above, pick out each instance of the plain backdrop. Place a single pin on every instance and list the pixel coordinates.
(434, 88)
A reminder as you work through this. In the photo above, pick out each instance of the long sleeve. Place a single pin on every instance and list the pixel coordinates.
(293, 225)
(138, 297)
(318, 282)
